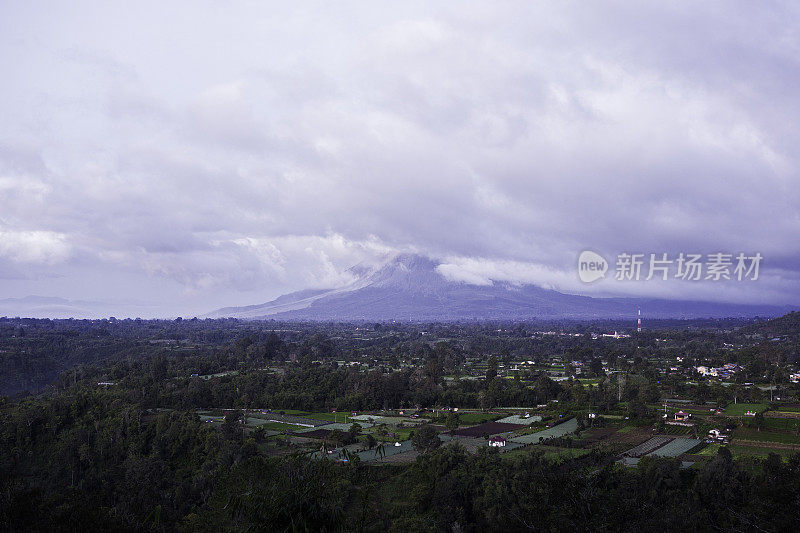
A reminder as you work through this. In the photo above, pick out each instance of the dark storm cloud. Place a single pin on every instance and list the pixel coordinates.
(202, 154)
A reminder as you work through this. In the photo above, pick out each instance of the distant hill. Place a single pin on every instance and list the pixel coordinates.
(54, 307)
(46, 307)
(410, 288)
(784, 326)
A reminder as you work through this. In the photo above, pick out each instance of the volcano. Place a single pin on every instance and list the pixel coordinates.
(410, 288)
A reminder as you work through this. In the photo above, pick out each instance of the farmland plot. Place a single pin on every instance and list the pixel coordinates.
(516, 419)
(675, 448)
(487, 428)
(554, 432)
(739, 409)
(648, 446)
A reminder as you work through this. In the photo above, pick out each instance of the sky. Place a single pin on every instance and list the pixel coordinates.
(176, 157)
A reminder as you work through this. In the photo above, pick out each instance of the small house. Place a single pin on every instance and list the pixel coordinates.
(682, 416)
(497, 441)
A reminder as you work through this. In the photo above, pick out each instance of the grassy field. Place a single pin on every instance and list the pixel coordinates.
(676, 430)
(211, 412)
(782, 424)
(739, 409)
(745, 451)
(376, 431)
(478, 418)
(212, 418)
(764, 435)
(755, 451)
(554, 453)
(789, 409)
(278, 426)
(696, 412)
(343, 418)
(710, 450)
(402, 434)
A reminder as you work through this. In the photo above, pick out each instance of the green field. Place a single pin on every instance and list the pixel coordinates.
(209, 412)
(782, 424)
(560, 454)
(710, 450)
(212, 418)
(739, 409)
(672, 410)
(343, 418)
(401, 434)
(755, 451)
(676, 430)
(478, 418)
(739, 450)
(553, 453)
(764, 435)
(278, 426)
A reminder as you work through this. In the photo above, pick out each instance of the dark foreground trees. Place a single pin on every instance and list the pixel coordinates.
(425, 439)
(88, 461)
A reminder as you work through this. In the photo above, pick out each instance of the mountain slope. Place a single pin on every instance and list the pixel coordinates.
(410, 288)
(785, 326)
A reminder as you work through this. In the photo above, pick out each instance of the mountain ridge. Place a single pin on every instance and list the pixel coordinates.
(409, 287)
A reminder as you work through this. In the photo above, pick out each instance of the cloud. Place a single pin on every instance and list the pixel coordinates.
(236, 152)
(34, 247)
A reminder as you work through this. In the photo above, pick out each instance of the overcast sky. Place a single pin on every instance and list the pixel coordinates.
(193, 155)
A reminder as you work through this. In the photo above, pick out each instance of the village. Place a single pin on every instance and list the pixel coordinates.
(677, 426)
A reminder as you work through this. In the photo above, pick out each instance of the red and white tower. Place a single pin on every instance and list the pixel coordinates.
(639, 321)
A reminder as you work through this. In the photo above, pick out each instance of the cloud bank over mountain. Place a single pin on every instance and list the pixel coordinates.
(411, 287)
